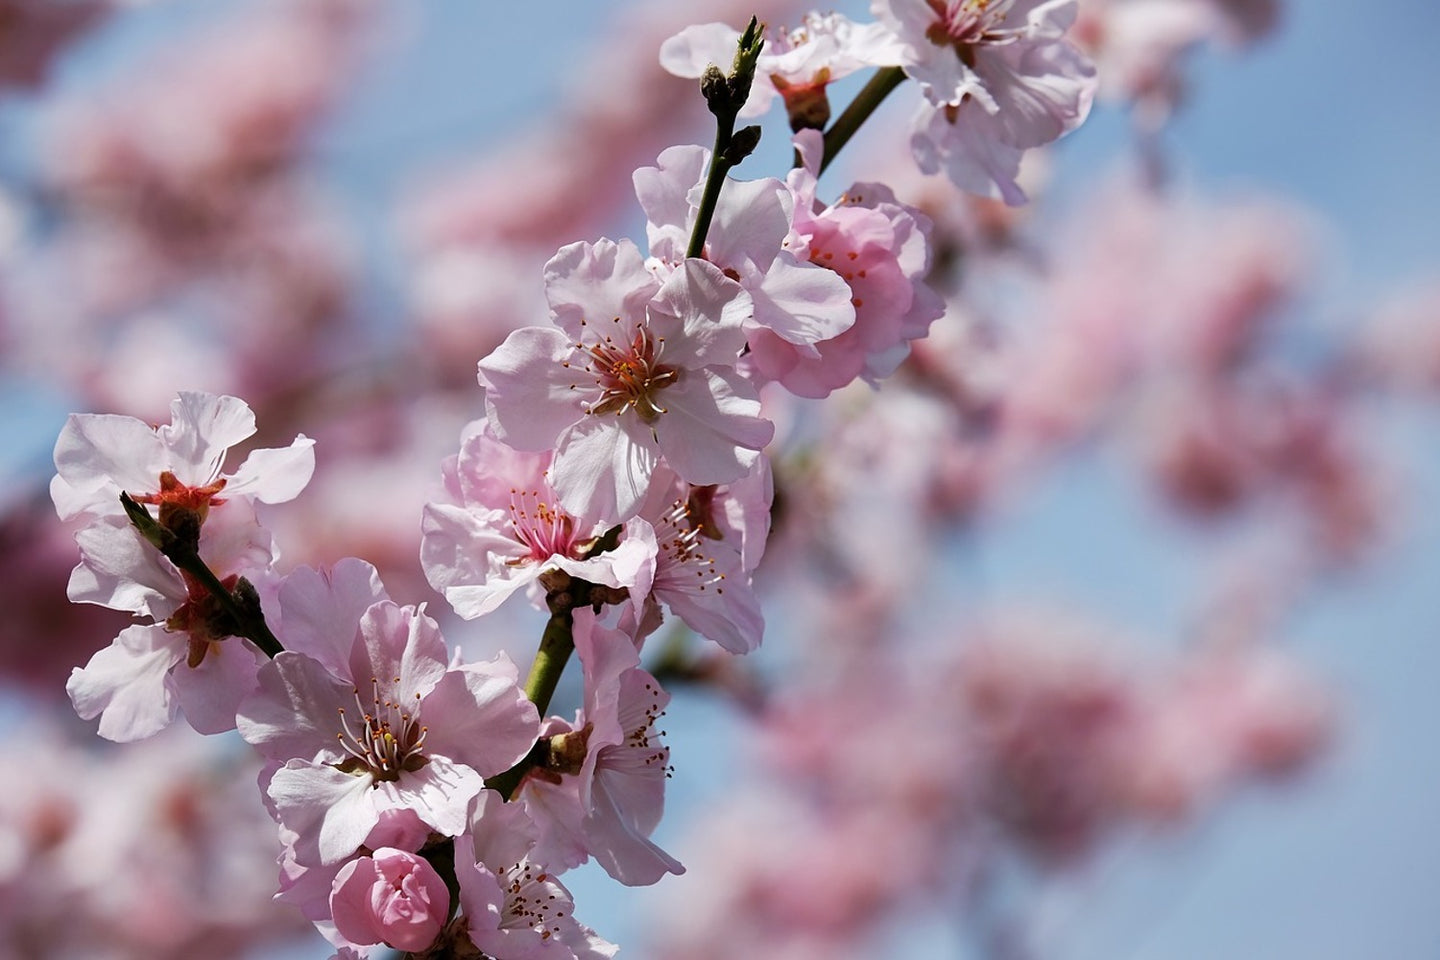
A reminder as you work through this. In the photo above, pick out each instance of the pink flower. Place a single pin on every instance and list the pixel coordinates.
(391, 897)
(700, 571)
(504, 526)
(1140, 46)
(398, 729)
(185, 660)
(794, 300)
(514, 907)
(1228, 715)
(637, 369)
(609, 808)
(97, 456)
(999, 79)
(881, 249)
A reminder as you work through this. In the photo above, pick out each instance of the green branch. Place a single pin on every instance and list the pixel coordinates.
(871, 96)
(725, 95)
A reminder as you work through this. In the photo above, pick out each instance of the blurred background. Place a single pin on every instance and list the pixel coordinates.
(1105, 629)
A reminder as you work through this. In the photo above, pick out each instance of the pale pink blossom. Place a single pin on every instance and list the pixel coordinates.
(794, 300)
(185, 660)
(390, 897)
(1399, 347)
(1048, 710)
(1228, 715)
(398, 729)
(515, 907)
(792, 880)
(999, 79)
(174, 817)
(99, 456)
(881, 249)
(504, 526)
(700, 569)
(1140, 46)
(636, 368)
(1228, 445)
(610, 806)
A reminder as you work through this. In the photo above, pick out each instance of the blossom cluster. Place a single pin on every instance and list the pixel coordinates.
(618, 472)
(624, 463)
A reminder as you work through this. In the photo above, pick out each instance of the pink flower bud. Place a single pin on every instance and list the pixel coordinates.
(394, 897)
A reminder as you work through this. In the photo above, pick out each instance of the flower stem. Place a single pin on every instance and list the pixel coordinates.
(556, 645)
(563, 594)
(859, 110)
(714, 180)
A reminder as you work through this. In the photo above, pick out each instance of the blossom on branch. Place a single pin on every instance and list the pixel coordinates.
(397, 729)
(636, 368)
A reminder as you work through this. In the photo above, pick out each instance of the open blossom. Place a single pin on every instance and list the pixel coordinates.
(186, 660)
(636, 368)
(607, 799)
(881, 249)
(504, 526)
(396, 729)
(701, 571)
(999, 79)
(176, 465)
(795, 64)
(515, 907)
(793, 299)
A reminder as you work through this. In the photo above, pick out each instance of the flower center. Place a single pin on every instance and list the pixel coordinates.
(643, 752)
(533, 900)
(630, 374)
(545, 529)
(202, 618)
(387, 740)
(176, 498)
(963, 24)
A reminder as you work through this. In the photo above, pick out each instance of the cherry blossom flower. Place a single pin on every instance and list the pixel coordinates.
(794, 300)
(999, 79)
(609, 806)
(515, 907)
(185, 660)
(700, 570)
(1140, 46)
(880, 248)
(397, 729)
(638, 368)
(504, 527)
(175, 466)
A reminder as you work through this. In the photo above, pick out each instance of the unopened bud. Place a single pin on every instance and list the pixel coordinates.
(742, 144)
(715, 90)
(154, 534)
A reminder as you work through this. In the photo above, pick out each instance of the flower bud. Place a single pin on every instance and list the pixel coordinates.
(393, 897)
